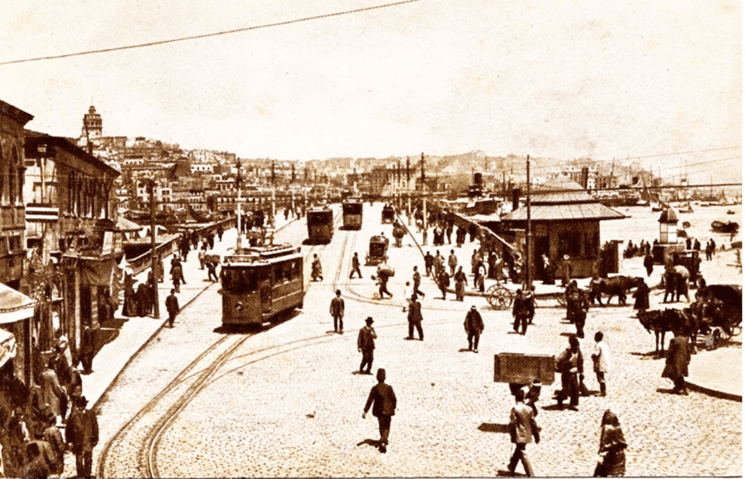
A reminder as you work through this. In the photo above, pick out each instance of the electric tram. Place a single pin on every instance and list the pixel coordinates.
(320, 225)
(260, 283)
(352, 214)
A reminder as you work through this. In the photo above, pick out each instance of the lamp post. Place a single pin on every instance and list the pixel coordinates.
(528, 252)
(153, 253)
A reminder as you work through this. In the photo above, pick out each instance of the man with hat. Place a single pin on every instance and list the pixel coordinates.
(82, 434)
(383, 402)
(474, 325)
(366, 345)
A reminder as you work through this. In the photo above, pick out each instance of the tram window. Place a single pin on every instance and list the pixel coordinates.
(280, 274)
(295, 269)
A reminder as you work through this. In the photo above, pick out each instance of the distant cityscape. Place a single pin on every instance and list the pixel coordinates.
(205, 180)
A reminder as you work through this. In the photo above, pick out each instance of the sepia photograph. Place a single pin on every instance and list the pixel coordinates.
(371, 238)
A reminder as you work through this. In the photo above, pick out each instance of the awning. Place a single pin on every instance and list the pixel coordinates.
(126, 225)
(14, 306)
(7, 346)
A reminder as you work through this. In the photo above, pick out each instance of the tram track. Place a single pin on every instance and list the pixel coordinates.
(197, 374)
(208, 368)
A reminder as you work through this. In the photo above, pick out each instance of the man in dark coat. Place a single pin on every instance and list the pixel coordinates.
(676, 362)
(337, 312)
(649, 264)
(415, 318)
(383, 402)
(355, 266)
(366, 345)
(521, 312)
(429, 261)
(571, 366)
(474, 325)
(417, 278)
(172, 307)
(87, 350)
(641, 297)
(82, 435)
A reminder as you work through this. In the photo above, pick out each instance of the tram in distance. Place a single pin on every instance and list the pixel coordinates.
(320, 225)
(352, 214)
(260, 283)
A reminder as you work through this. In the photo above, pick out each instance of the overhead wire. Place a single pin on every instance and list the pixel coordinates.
(207, 35)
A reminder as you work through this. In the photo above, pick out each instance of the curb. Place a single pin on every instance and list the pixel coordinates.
(714, 392)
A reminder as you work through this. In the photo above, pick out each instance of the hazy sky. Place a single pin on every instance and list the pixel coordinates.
(559, 78)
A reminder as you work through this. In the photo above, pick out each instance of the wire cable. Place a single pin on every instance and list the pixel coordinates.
(207, 35)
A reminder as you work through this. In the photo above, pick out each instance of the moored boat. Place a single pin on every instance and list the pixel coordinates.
(722, 227)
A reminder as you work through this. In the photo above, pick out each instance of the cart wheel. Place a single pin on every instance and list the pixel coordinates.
(499, 297)
(736, 330)
(562, 300)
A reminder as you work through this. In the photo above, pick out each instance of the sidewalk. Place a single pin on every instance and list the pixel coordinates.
(132, 334)
(718, 373)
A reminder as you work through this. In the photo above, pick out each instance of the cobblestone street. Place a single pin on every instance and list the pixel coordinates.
(289, 402)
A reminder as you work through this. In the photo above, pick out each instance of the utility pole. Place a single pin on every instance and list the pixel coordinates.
(273, 197)
(239, 222)
(408, 191)
(424, 202)
(153, 253)
(528, 253)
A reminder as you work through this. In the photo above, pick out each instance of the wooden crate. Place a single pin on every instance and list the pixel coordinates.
(524, 368)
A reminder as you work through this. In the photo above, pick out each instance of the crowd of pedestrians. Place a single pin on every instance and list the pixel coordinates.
(32, 423)
(485, 264)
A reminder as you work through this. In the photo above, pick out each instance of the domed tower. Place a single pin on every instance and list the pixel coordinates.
(92, 126)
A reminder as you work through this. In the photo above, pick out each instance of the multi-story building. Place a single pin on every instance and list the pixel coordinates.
(71, 232)
(16, 308)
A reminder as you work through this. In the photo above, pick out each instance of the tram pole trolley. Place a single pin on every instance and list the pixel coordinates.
(260, 284)
(378, 251)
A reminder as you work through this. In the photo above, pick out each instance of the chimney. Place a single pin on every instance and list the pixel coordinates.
(515, 198)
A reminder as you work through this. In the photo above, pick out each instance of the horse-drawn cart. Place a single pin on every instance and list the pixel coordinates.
(720, 308)
(388, 214)
(378, 252)
(501, 298)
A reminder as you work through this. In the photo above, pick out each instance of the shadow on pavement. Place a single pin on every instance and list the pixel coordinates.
(650, 355)
(357, 372)
(369, 442)
(491, 427)
(667, 391)
(464, 350)
(238, 328)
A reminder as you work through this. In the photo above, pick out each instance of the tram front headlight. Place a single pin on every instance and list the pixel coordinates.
(239, 306)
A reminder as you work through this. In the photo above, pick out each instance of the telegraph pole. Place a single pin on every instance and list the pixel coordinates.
(529, 239)
(424, 202)
(153, 253)
(239, 222)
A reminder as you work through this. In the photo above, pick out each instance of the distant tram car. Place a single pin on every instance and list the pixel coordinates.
(259, 283)
(352, 214)
(320, 225)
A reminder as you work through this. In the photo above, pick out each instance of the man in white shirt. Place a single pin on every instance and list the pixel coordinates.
(600, 360)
